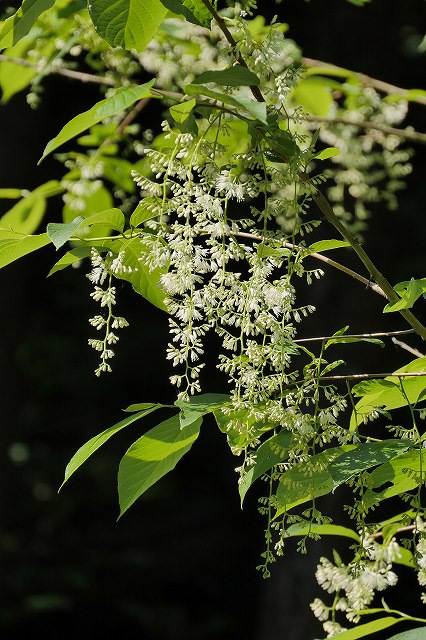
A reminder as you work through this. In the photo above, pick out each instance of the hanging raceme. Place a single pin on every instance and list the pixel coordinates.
(218, 227)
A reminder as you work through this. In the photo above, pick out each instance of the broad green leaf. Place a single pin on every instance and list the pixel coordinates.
(95, 443)
(326, 245)
(25, 216)
(144, 281)
(236, 76)
(198, 406)
(88, 204)
(320, 529)
(20, 23)
(130, 24)
(314, 95)
(59, 232)
(409, 292)
(387, 392)
(362, 630)
(331, 468)
(419, 633)
(14, 77)
(14, 245)
(70, 258)
(113, 218)
(194, 11)
(152, 456)
(123, 98)
(400, 473)
(244, 417)
(146, 210)
(330, 152)
(181, 111)
(269, 454)
(250, 105)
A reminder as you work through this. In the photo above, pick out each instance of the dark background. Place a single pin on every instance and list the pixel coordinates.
(181, 563)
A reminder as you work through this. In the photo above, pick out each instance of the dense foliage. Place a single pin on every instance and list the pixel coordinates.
(220, 216)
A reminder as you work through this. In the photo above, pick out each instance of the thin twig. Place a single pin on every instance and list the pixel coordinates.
(412, 350)
(410, 527)
(378, 277)
(408, 134)
(319, 256)
(380, 85)
(367, 376)
(69, 73)
(381, 334)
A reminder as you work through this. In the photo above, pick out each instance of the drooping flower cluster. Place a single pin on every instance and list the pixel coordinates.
(356, 584)
(103, 270)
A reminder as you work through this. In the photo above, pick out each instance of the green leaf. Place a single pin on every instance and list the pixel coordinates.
(144, 281)
(70, 258)
(14, 245)
(123, 98)
(299, 529)
(314, 95)
(59, 233)
(362, 630)
(340, 338)
(236, 76)
(387, 392)
(146, 210)
(270, 453)
(181, 111)
(327, 245)
(113, 218)
(25, 216)
(194, 11)
(331, 468)
(250, 105)
(152, 456)
(419, 633)
(409, 292)
(198, 406)
(130, 24)
(95, 443)
(330, 152)
(20, 23)
(398, 473)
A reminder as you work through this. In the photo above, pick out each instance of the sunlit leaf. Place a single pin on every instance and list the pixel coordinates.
(152, 456)
(119, 101)
(20, 23)
(97, 441)
(130, 24)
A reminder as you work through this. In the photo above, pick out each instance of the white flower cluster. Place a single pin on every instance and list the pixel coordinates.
(355, 584)
(107, 298)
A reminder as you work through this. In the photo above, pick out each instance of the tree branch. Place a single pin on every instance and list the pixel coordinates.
(367, 81)
(62, 71)
(404, 345)
(408, 134)
(319, 256)
(381, 334)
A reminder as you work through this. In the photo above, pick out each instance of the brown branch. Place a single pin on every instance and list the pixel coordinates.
(69, 73)
(381, 334)
(367, 81)
(408, 134)
(378, 277)
(365, 376)
(319, 256)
